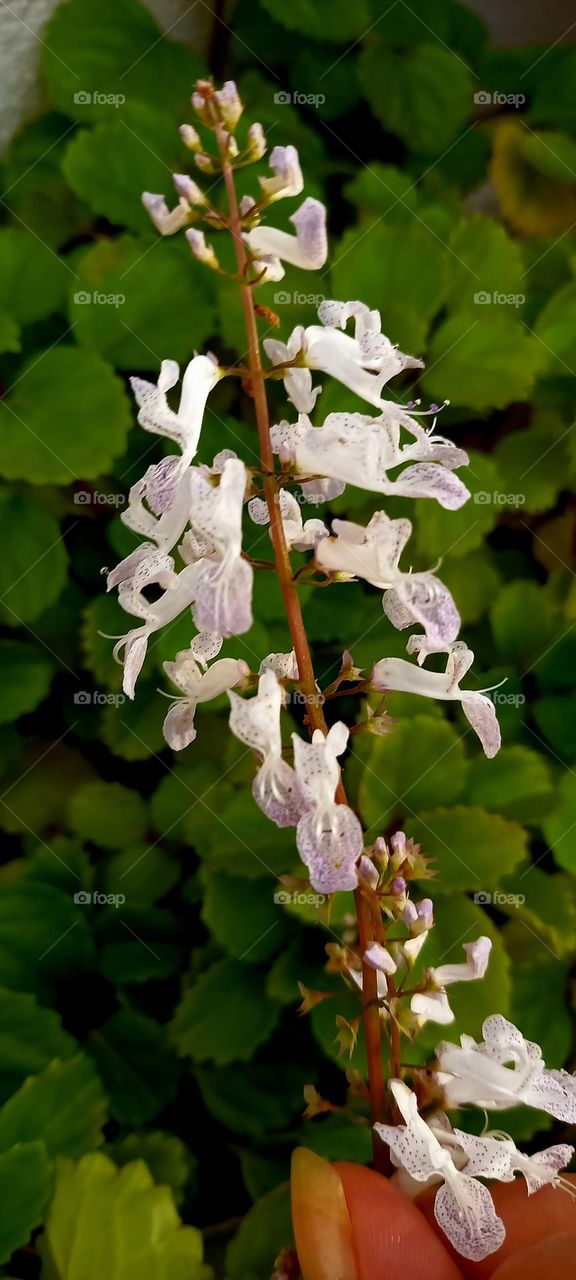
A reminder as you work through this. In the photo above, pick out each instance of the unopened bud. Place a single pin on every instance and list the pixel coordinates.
(256, 142)
(190, 137)
(188, 189)
(204, 162)
(228, 100)
(202, 251)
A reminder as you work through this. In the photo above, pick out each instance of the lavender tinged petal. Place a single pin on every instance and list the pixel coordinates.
(329, 842)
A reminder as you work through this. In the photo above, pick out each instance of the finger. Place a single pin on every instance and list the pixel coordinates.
(321, 1221)
(553, 1258)
(390, 1238)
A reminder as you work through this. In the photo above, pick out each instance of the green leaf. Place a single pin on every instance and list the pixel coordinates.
(225, 1015)
(382, 190)
(143, 872)
(411, 277)
(105, 1221)
(35, 190)
(138, 943)
(422, 760)
(25, 1185)
(347, 23)
(27, 673)
(111, 165)
(236, 837)
(559, 826)
(553, 100)
(43, 937)
(484, 260)
(92, 49)
(423, 95)
(534, 466)
(243, 916)
(103, 614)
(257, 1100)
(455, 533)
(30, 1037)
(473, 580)
(555, 329)
(169, 1160)
(9, 334)
(63, 1106)
(39, 436)
(36, 794)
(473, 848)
(556, 719)
(108, 814)
(519, 787)
(337, 1138)
(34, 561)
(484, 362)
(266, 1228)
(117, 300)
(553, 154)
(32, 277)
(133, 730)
(522, 621)
(546, 906)
(538, 1003)
(139, 1070)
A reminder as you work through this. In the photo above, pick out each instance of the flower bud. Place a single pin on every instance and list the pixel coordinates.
(202, 251)
(188, 189)
(256, 142)
(190, 137)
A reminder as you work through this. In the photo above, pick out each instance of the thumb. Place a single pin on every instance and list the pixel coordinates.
(352, 1224)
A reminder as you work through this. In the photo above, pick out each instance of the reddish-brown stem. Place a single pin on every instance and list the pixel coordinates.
(315, 714)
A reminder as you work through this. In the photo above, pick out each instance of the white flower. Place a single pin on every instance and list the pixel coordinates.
(433, 1005)
(352, 448)
(538, 1170)
(202, 251)
(155, 414)
(328, 835)
(307, 249)
(284, 665)
(363, 363)
(256, 142)
(298, 535)
(256, 721)
(167, 221)
(197, 685)
(399, 675)
(287, 180)
(463, 1208)
(502, 1071)
(223, 600)
(135, 643)
(373, 552)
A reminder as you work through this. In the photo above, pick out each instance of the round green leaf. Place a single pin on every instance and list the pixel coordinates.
(98, 56)
(555, 328)
(169, 1160)
(347, 22)
(32, 277)
(34, 560)
(421, 761)
(139, 1070)
(225, 1015)
(522, 621)
(484, 362)
(243, 916)
(64, 1106)
(27, 673)
(108, 814)
(117, 300)
(484, 260)
(424, 94)
(66, 419)
(25, 1186)
(30, 1038)
(455, 533)
(559, 826)
(533, 466)
(519, 786)
(473, 849)
(411, 277)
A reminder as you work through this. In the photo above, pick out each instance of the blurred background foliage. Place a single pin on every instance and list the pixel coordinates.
(164, 1030)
